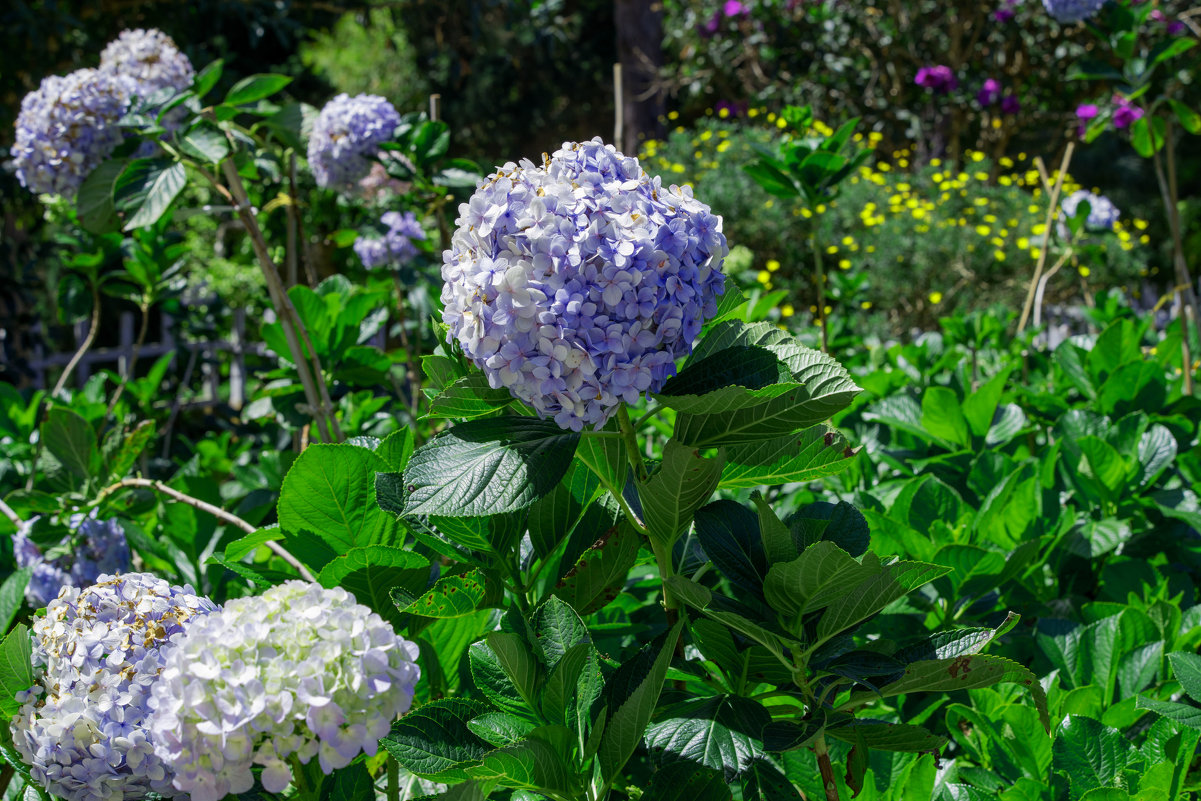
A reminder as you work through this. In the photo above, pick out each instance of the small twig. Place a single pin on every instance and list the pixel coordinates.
(1052, 207)
(1042, 286)
(62, 381)
(215, 511)
(133, 359)
(87, 343)
(8, 512)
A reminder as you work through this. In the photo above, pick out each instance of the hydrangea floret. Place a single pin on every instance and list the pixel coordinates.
(298, 672)
(67, 127)
(97, 652)
(1102, 213)
(1072, 11)
(396, 247)
(150, 58)
(99, 548)
(347, 135)
(578, 283)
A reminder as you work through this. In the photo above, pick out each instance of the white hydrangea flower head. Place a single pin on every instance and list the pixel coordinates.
(299, 671)
(67, 127)
(578, 283)
(150, 58)
(1102, 213)
(97, 652)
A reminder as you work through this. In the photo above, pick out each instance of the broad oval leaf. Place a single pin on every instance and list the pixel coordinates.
(486, 467)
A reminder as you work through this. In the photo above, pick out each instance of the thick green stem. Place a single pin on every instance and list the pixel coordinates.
(631, 441)
(821, 295)
(829, 783)
(393, 779)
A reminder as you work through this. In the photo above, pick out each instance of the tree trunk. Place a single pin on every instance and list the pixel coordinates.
(639, 26)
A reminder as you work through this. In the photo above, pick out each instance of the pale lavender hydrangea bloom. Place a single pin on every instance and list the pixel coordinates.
(395, 248)
(67, 127)
(150, 58)
(298, 671)
(97, 652)
(346, 135)
(1102, 213)
(1071, 11)
(578, 283)
(99, 548)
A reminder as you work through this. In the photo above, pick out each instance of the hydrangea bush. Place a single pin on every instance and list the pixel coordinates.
(299, 672)
(99, 547)
(347, 136)
(67, 128)
(82, 729)
(578, 283)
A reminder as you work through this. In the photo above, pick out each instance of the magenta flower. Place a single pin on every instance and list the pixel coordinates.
(1126, 113)
(938, 79)
(989, 93)
(734, 8)
(1085, 113)
(1006, 12)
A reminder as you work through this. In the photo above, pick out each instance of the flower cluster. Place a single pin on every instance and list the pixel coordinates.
(1125, 113)
(347, 134)
(298, 671)
(99, 547)
(1071, 11)
(150, 58)
(82, 728)
(990, 93)
(578, 283)
(938, 79)
(395, 248)
(1102, 213)
(67, 127)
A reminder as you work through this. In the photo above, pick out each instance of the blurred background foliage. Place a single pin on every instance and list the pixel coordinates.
(518, 77)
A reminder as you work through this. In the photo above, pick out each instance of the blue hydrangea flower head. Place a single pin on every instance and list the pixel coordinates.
(576, 284)
(299, 671)
(150, 58)
(67, 127)
(1102, 213)
(1072, 11)
(97, 652)
(99, 548)
(346, 135)
(395, 248)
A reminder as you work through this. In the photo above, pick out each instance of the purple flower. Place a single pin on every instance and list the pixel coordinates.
(734, 8)
(1085, 113)
(989, 93)
(395, 247)
(710, 28)
(1006, 12)
(150, 58)
(97, 653)
(1010, 104)
(346, 135)
(99, 547)
(1071, 11)
(67, 127)
(938, 79)
(1126, 113)
(577, 283)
